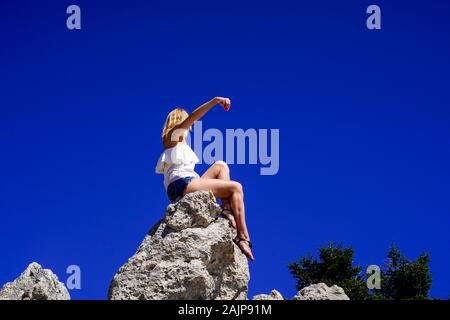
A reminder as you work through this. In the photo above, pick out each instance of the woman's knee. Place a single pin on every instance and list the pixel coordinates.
(222, 165)
(237, 187)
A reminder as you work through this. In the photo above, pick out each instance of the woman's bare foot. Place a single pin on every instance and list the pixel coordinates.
(228, 213)
(245, 246)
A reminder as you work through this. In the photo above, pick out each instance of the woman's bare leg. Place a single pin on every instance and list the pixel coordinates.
(237, 204)
(232, 190)
(220, 170)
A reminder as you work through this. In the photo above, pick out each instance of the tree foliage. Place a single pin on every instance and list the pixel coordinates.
(401, 278)
(334, 267)
(405, 279)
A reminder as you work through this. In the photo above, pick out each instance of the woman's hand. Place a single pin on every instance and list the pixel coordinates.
(224, 102)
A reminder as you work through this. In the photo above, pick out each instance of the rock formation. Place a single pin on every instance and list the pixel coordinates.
(318, 291)
(35, 283)
(189, 254)
(273, 295)
(321, 291)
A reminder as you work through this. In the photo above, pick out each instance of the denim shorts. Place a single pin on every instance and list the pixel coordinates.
(176, 188)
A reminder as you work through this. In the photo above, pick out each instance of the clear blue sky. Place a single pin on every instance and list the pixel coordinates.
(363, 118)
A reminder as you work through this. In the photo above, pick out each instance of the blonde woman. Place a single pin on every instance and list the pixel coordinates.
(177, 163)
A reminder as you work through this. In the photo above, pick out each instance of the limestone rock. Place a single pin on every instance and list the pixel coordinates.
(273, 295)
(321, 291)
(35, 283)
(189, 254)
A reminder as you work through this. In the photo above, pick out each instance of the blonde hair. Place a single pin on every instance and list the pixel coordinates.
(174, 118)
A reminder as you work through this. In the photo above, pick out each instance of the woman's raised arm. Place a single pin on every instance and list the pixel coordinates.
(203, 109)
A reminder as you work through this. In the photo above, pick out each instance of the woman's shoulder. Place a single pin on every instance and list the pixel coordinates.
(173, 137)
(171, 145)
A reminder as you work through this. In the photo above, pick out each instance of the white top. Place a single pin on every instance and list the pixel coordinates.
(177, 162)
